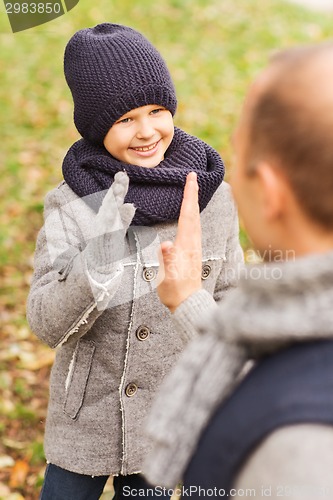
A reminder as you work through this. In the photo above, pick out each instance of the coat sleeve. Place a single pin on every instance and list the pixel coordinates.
(64, 300)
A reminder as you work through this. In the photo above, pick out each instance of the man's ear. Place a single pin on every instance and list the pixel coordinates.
(274, 190)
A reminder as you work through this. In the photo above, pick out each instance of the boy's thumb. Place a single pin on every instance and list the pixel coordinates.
(127, 212)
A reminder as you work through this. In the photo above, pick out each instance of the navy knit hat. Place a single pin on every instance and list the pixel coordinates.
(112, 69)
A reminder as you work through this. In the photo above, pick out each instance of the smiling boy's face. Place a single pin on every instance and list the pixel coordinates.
(141, 136)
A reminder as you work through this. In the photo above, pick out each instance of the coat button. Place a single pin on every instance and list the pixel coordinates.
(142, 332)
(131, 389)
(206, 270)
(149, 274)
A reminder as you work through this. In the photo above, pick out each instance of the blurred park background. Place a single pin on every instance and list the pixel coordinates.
(213, 48)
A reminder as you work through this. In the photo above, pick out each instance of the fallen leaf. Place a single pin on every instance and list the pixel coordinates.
(11, 443)
(19, 474)
(33, 362)
(4, 491)
(6, 461)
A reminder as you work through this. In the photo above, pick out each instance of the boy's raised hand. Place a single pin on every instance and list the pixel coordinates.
(105, 252)
(114, 214)
(180, 262)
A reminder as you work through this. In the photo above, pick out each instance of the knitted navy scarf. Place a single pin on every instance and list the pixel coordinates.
(157, 192)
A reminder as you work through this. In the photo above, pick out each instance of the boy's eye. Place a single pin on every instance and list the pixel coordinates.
(124, 120)
(155, 111)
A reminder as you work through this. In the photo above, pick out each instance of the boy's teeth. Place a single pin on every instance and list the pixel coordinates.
(146, 148)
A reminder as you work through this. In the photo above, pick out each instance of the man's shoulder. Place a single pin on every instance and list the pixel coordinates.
(293, 461)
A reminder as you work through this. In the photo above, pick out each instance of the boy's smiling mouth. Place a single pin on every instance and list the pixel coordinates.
(145, 149)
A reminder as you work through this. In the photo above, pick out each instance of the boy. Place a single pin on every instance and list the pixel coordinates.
(93, 292)
(273, 436)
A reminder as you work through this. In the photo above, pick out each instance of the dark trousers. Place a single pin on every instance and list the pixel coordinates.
(60, 484)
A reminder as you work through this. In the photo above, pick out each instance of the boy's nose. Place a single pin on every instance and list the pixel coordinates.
(145, 130)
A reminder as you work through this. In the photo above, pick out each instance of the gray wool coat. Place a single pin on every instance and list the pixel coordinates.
(115, 341)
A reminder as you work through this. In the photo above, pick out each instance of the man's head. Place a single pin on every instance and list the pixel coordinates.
(112, 69)
(283, 181)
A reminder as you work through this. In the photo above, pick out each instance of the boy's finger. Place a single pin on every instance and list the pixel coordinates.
(120, 187)
(127, 212)
(109, 214)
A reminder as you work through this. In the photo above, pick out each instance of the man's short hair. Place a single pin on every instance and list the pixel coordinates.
(291, 124)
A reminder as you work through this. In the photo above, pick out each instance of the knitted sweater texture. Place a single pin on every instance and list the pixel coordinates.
(286, 303)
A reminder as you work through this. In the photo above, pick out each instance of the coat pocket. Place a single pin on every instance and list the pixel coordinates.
(78, 377)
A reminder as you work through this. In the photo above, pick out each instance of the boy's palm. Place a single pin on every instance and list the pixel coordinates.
(112, 221)
(114, 214)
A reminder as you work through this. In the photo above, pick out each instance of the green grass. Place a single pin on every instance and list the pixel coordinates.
(213, 48)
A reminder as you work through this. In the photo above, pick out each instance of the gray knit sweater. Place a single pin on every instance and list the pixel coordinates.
(284, 303)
